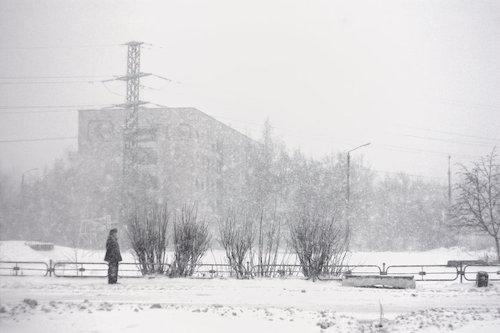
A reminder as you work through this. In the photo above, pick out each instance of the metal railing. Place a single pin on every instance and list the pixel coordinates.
(354, 269)
(337, 272)
(209, 271)
(470, 271)
(24, 268)
(425, 272)
(94, 269)
(277, 270)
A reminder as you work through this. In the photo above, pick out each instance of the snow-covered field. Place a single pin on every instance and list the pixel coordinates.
(49, 304)
(18, 250)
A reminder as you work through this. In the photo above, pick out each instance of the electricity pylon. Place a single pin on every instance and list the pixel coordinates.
(131, 128)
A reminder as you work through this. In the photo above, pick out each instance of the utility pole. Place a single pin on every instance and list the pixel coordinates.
(446, 211)
(449, 181)
(348, 194)
(131, 127)
(349, 170)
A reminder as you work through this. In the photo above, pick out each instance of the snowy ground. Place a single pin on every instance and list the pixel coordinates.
(187, 305)
(49, 304)
(17, 250)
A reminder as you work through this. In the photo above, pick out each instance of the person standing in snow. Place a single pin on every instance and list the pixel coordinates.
(113, 256)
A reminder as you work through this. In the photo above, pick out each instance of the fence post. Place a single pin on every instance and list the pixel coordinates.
(50, 267)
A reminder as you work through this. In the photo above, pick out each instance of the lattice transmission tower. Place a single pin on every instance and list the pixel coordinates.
(131, 127)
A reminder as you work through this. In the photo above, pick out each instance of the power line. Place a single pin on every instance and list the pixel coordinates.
(150, 46)
(445, 140)
(453, 133)
(323, 137)
(252, 124)
(463, 103)
(39, 139)
(7, 107)
(48, 47)
(36, 112)
(404, 173)
(165, 78)
(45, 111)
(47, 82)
(109, 90)
(375, 170)
(53, 77)
(418, 151)
(55, 110)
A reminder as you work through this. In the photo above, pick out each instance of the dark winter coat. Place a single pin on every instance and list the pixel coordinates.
(112, 250)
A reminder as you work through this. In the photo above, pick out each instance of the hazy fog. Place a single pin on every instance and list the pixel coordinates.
(418, 79)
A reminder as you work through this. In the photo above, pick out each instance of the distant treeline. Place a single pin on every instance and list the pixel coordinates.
(386, 212)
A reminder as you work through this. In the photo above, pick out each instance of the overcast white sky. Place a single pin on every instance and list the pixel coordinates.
(417, 79)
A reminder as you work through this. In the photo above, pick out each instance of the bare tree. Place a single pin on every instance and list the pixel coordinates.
(191, 242)
(147, 232)
(477, 202)
(319, 242)
(236, 236)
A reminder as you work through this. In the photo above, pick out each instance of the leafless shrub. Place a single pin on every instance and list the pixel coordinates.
(191, 242)
(269, 238)
(147, 232)
(236, 236)
(319, 243)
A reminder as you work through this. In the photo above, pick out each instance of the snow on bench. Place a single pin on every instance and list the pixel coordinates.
(40, 246)
(384, 281)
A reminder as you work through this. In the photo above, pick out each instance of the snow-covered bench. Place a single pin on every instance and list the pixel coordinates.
(385, 281)
(40, 246)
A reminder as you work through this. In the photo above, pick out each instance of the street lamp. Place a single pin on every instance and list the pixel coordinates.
(349, 185)
(349, 167)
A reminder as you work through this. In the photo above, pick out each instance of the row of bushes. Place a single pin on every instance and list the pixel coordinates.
(317, 241)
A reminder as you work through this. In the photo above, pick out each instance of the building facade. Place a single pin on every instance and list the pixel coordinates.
(185, 156)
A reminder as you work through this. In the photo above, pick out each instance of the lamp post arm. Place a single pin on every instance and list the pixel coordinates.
(364, 145)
